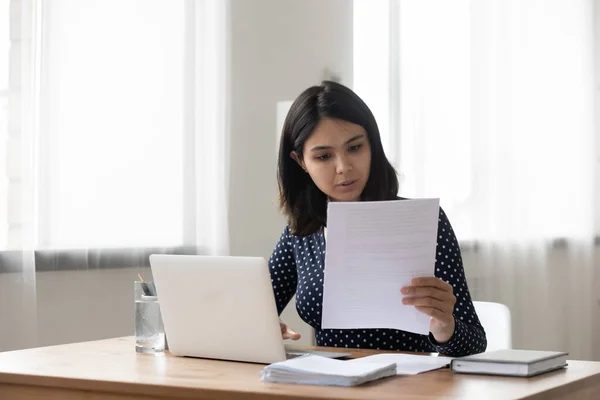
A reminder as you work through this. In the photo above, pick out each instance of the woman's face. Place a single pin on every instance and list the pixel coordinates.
(337, 156)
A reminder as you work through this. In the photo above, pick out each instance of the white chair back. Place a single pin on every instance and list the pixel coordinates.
(495, 319)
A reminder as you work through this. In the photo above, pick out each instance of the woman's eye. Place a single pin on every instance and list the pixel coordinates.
(323, 157)
(355, 147)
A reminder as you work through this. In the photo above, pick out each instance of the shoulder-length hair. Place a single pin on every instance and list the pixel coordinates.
(301, 201)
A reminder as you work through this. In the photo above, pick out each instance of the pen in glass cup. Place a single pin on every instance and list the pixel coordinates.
(148, 288)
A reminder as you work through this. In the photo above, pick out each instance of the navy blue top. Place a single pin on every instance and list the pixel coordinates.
(297, 265)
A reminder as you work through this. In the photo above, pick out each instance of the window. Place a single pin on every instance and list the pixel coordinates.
(461, 93)
(109, 144)
(118, 140)
(112, 131)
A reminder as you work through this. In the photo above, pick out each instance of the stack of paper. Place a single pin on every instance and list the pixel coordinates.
(317, 370)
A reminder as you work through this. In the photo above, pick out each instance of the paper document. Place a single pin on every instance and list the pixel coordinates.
(407, 364)
(316, 370)
(373, 250)
(328, 366)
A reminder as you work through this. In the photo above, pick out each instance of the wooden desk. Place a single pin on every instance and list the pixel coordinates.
(110, 369)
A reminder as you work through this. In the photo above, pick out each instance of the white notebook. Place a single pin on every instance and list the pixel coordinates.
(511, 362)
(317, 370)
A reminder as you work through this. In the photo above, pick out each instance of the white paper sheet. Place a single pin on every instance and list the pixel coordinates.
(406, 364)
(373, 249)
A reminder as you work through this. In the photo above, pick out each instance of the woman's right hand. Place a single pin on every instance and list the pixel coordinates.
(288, 333)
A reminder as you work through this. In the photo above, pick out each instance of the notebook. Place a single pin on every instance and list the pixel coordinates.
(317, 370)
(510, 362)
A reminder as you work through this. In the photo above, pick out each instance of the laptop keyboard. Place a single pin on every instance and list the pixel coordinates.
(294, 354)
(329, 354)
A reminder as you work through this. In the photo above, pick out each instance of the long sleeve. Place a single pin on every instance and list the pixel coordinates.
(282, 267)
(469, 336)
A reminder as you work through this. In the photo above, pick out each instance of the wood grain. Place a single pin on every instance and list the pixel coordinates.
(110, 369)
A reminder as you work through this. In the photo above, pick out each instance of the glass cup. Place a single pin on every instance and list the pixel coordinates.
(149, 331)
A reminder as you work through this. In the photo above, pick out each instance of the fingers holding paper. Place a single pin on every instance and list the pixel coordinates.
(434, 297)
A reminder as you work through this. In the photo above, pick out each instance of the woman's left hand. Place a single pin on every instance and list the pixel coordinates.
(434, 297)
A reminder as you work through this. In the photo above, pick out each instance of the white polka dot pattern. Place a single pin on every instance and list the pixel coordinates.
(297, 265)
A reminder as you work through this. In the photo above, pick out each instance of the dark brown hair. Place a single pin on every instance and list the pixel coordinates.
(301, 201)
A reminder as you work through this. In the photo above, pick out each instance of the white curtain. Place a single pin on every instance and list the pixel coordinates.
(490, 108)
(117, 138)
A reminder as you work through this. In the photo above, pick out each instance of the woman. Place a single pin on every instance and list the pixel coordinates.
(330, 150)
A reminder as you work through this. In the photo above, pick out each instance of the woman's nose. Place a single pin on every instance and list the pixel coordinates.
(343, 165)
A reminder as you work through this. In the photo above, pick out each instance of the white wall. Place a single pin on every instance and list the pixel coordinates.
(71, 306)
(279, 48)
(18, 325)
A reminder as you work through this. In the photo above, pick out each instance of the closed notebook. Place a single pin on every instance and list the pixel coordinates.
(510, 362)
(318, 370)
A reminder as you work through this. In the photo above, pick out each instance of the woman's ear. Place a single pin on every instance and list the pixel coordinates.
(295, 157)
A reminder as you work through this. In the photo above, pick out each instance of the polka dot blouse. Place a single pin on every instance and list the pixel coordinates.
(297, 265)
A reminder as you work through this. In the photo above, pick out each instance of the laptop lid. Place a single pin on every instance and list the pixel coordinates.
(218, 307)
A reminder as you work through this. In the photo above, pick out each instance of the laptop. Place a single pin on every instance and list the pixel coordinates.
(221, 308)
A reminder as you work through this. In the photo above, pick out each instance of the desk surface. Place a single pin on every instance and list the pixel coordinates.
(110, 369)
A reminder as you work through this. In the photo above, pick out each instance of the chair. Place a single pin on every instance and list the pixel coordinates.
(495, 319)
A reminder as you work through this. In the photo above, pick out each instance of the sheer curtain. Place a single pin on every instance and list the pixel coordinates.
(492, 111)
(116, 140)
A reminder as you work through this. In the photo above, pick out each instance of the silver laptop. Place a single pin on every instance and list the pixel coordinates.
(220, 308)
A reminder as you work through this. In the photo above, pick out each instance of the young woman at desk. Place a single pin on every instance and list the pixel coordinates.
(331, 150)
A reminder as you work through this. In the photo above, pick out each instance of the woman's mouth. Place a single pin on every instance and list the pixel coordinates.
(349, 184)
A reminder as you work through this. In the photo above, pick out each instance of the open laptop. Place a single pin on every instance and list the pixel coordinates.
(221, 308)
